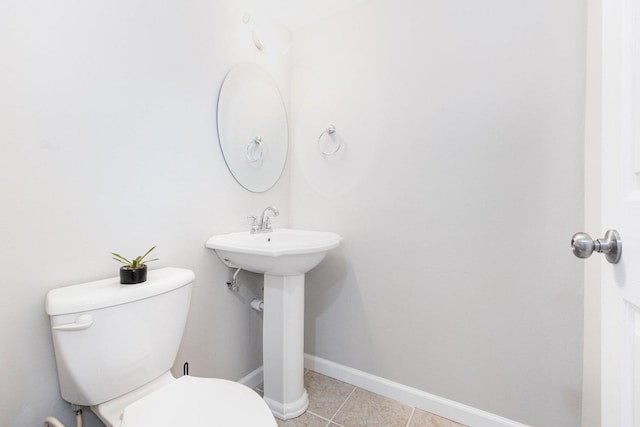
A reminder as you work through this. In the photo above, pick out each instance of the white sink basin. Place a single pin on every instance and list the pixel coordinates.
(281, 252)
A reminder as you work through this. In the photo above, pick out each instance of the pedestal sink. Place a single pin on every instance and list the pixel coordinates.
(283, 256)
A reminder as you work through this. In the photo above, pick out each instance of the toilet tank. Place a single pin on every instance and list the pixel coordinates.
(110, 339)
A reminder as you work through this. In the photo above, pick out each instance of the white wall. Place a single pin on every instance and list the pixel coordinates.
(108, 143)
(457, 194)
(458, 190)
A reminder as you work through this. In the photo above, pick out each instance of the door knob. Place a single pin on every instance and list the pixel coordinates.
(583, 246)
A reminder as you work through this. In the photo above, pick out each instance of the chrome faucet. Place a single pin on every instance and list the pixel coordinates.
(263, 224)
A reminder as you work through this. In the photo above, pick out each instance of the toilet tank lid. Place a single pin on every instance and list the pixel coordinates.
(109, 292)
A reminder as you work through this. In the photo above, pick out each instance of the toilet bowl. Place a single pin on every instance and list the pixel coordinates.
(115, 345)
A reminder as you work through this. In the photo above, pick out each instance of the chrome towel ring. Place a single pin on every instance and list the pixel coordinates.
(330, 130)
(255, 150)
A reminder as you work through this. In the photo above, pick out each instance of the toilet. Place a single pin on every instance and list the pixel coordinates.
(115, 345)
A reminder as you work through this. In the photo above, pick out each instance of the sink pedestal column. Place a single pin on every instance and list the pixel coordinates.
(283, 346)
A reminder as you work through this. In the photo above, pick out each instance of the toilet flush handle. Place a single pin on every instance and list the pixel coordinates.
(83, 321)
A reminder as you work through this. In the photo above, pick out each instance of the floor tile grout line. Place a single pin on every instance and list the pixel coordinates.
(413, 411)
(343, 403)
(329, 422)
(319, 416)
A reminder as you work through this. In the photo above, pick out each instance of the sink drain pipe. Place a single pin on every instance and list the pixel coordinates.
(257, 304)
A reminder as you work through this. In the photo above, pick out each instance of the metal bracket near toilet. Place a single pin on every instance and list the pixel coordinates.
(233, 284)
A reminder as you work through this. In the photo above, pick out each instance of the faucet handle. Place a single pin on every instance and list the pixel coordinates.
(254, 224)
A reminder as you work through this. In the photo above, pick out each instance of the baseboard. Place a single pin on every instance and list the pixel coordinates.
(450, 409)
(253, 378)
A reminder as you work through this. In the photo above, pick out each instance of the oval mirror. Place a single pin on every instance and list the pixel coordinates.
(252, 127)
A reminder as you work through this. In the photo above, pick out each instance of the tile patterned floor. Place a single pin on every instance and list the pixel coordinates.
(333, 403)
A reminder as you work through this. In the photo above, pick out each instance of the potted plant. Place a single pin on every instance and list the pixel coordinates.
(134, 271)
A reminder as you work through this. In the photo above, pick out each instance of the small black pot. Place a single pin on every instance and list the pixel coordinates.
(131, 276)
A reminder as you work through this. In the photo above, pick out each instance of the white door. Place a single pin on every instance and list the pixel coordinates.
(612, 171)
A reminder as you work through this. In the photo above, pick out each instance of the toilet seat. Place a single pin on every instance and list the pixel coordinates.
(199, 402)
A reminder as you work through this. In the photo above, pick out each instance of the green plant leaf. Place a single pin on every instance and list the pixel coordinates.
(120, 258)
(147, 253)
(136, 262)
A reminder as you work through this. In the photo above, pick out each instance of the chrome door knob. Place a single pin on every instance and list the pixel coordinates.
(583, 246)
